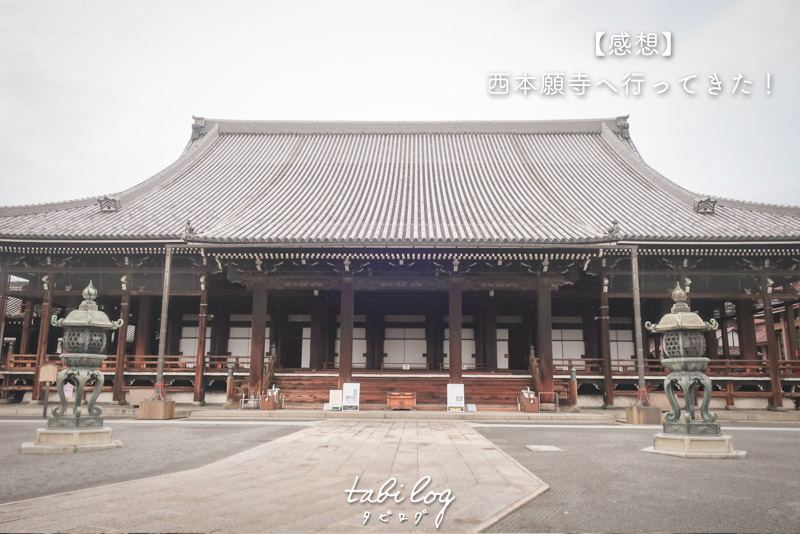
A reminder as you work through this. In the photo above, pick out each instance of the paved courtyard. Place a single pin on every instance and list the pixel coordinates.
(297, 483)
(286, 476)
(601, 482)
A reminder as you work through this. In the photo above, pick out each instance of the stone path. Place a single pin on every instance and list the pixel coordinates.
(297, 483)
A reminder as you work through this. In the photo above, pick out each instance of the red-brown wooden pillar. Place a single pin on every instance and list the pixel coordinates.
(143, 326)
(346, 312)
(790, 331)
(44, 333)
(27, 318)
(589, 326)
(220, 331)
(605, 348)
(776, 399)
(258, 334)
(454, 324)
(544, 334)
(490, 332)
(200, 363)
(318, 330)
(122, 335)
(3, 290)
(747, 329)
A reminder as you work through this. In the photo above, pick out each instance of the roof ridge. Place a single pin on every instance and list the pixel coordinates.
(232, 126)
(188, 156)
(635, 160)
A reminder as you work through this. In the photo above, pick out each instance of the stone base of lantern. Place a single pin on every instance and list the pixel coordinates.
(70, 421)
(693, 446)
(693, 429)
(68, 441)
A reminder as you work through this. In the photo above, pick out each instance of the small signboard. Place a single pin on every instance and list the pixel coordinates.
(48, 373)
(351, 395)
(455, 397)
(69, 390)
(335, 399)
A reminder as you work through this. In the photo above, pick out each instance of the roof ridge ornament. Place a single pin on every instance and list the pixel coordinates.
(188, 231)
(624, 127)
(613, 232)
(197, 127)
(705, 206)
(109, 203)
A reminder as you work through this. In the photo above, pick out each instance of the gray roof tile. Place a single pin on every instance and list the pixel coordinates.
(477, 183)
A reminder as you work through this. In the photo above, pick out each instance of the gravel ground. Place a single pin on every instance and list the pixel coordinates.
(150, 449)
(601, 482)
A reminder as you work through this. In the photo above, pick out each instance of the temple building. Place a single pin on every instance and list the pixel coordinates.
(405, 256)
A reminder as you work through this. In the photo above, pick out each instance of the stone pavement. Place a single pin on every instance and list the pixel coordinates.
(297, 483)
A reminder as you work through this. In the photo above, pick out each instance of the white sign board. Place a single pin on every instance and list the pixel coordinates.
(335, 399)
(455, 397)
(351, 392)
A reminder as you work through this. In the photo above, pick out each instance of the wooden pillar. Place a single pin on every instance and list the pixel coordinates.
(776, 400)
(589, 334)
(143, 325)
(726, 349)
(790, 331)
(200, 363)
(332, 324)
(27, 318)
(122, 334)
(454, 324)
(378, 336)
(174, 326)
(747, 329)
(258, 335)
(346, 312)
(318, 331)
(433, 337)
(605, 348)
(44, 333)
(544, 334)
(3, 290)
(220, 330)
(278, 320)
(490, 332)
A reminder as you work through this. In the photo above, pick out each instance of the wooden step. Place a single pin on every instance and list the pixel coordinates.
(304, 388)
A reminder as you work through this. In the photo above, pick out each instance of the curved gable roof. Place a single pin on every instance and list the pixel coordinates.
(414, 183)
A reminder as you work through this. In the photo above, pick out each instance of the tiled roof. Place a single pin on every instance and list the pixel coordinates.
(427, 183)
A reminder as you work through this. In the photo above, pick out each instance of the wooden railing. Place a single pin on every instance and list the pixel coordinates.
(21, 362)
(789, 368)
(220, 363)
(582, 366)
(737, 368)
(628, 367)
(272, 364)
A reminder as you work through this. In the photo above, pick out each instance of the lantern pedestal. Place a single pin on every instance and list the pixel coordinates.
(692, 429)
(693, 446)
(53, 441)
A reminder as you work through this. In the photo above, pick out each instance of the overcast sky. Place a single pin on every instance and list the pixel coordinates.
(98, 95)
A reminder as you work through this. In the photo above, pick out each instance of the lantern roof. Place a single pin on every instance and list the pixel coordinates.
(680, 316)
(87, 314)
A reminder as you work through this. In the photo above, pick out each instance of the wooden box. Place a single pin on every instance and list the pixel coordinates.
(269, 401)
(528, 402)
(401, 401)
(157, 409)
